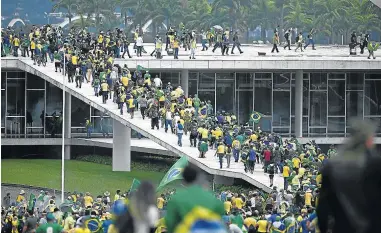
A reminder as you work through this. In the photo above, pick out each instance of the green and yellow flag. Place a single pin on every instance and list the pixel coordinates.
(255, 117)
(31, 202)
(141, 68)
(175, 173)
(135, 185)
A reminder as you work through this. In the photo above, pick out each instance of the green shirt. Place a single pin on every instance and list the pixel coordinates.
(185, 200)
(49, 228)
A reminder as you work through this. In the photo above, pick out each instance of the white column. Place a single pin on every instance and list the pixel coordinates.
(299, 103)
(67, 120)
(185, 81)
(121, 148)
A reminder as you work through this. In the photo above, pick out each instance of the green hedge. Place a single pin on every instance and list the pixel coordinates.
(144, 163)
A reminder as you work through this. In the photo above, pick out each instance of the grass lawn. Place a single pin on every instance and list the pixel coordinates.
(79, 176)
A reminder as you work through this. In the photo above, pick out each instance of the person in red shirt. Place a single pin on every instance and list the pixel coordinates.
(267, 157)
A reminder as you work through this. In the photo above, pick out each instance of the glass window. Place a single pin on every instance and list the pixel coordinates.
(79, 112)
(34, 82)
(318, 108)
(224, 76)
(336, 76)
(263, 96)
(53, 99)
(16, 74)
(3, 104)
(3, 79)
(281, 108)
(318, 132)
(245, 105)
(225, 93)
(336, 97)
(207, 95)
(193, 75)
(206, 81)
(107, 124)
(173, 77)
(192, 87)
(34, 132)
(285, 132)
(53, 125)
(305, 97)
(354, 104)
(263, 76)
(281, 81)
(15, 126)
(16, 97)
(336, 126)
(377, 121)
(372, 76)
(372, 101)
(318, 81)
(35, 104)
(355, 81)
(245, 81)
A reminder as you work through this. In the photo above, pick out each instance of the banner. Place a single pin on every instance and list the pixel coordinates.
(32, 201)
(135, 185)
(175, 173)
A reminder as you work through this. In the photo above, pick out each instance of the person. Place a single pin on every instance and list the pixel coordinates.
(275, 43)
(352, 209)
(176, 45)
(104, 89)
(89, 127)
(286, 175)
(7, 200)
(204, 207)
(142, 102)
(193, 48)
(372, 47)
(310, 39)
(228, 155)
(271, 171)
(299, 42)
(287, 36)
(251, 159)
(160, 202)
(236, 43)
(50, 226)
(139, 45)
(131, 106)
(122, 100)
(220, 152)
(30, 223)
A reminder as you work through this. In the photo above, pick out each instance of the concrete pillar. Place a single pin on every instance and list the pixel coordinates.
(121, 148)
(184, 80)
(67, 120)
(223, 180)
(299, 103)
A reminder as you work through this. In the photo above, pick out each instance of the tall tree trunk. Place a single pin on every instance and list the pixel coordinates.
(125, 19)
(281, 30)
(263, 33)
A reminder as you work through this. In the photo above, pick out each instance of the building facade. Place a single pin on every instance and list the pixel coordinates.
(31, 106)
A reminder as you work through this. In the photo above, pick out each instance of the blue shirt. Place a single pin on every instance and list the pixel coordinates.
(228, 140)
(252, 155)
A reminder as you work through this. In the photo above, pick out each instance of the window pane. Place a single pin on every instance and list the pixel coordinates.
(192, 87)
(263, 76)
(15, 126)
(355, 81)
(34, 82)
(281, 108)
(318, 132)
(206, 81)
(336, 97)
(224, 76)
(3, 103)
(16, 97)
(17, 74)
(304, 126)
(98, 125)
(377, 121)
(336, 76)
(53, 99)
(354, 104)
(245, 105)
(245, 81)
(207, 95)
(34, 133)
(372, 76)
(225, 92)
(35, 108)
(173, 78)
(372, 97)
(336, 126)
(3, 79)
(306, 102)
(318, 108)
(262, 96)
(282, 81)
(285, 132)
(318, 81)
(79, 112)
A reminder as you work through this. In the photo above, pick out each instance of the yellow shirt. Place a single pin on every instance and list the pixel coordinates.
(296, 162)
(131, 103)
(20, 198)
(308, 199)
(236, 144)
(221, 149)
(69, 223)
(31, 35)
(239, 203)
(227, 206)
(204, 133)
(254, 137)
(250, 222)
(189, 102)
(82, 230)
(286, 171)
(16, 42)
(262, 226)
(160, 203)
(302, 170)
(100, 39)
(104, 87)
(319, 179)
(88, 201)
(124, 80)
(217, 133)
(32, 45)
(175, 44)
(74, 60)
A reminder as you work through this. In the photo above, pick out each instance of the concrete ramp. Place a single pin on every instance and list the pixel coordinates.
(166, 140)
(376, 2)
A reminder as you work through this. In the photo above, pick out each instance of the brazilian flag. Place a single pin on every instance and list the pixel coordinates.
(203, 112)
(140, 68)
(255, 117)
(175, 173)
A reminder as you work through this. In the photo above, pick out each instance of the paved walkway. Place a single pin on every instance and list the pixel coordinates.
(167, 140)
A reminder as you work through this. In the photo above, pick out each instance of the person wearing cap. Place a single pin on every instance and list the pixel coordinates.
(21, 197)
(50, 226)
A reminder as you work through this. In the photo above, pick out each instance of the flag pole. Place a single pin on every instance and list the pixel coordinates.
(63, 132)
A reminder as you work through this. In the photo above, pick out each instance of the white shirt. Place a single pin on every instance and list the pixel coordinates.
(176, 119)
(157, 82)
(203, 36)
(139, 41)
(252, 200)
(168, 115)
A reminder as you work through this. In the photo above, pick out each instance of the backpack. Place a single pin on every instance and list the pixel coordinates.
(194, 131)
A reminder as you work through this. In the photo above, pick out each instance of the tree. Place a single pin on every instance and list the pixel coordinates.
(67, 5)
